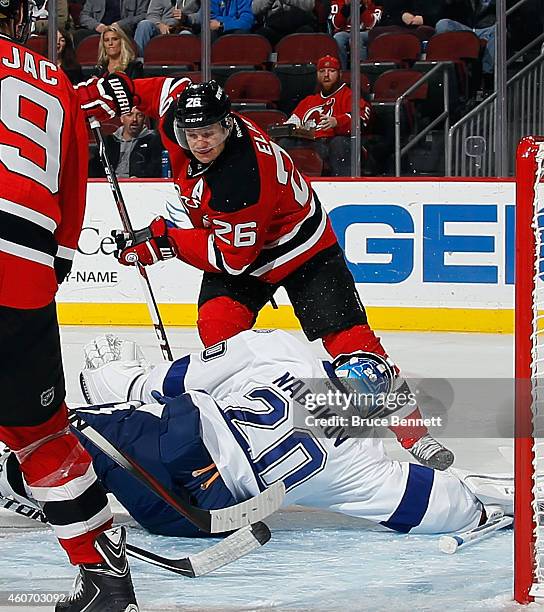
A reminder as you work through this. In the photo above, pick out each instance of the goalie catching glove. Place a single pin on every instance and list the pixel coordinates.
(146, 246)
(102, 99)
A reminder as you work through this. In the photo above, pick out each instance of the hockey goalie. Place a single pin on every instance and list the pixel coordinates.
(228, 422)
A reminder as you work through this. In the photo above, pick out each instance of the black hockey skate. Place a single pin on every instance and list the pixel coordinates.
(431, 453)
(104, 587)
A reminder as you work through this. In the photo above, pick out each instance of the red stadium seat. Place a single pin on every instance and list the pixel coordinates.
(365, 82)
(453, 46)
(254, 87)
(400, 48)
(307, 160)
(265, 118)
(389, 51)
(87, 50)
(305, 48)
(38, 44)
(241, 50)
(169, 53)
(388, 87)
(393, 83)
(463, 49)
(234, 52)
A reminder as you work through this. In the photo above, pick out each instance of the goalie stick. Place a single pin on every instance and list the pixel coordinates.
(211, 521)
(127, 226)
(230, 549)
(450, 544)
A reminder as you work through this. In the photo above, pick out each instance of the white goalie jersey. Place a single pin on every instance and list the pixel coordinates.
(262, 421)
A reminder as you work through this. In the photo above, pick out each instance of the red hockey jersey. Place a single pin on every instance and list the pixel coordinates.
(309, 111)
(340, 15)
(43, 174)
(251, 210)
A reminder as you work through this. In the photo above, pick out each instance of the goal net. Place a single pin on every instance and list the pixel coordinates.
(529, 373)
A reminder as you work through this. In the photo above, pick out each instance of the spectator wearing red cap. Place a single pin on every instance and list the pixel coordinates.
(340, 18)
(329, 112)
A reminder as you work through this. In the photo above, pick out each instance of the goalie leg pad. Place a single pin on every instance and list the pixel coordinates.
(489, 489)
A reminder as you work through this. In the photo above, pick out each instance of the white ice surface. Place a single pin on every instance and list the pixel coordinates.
(315, 560)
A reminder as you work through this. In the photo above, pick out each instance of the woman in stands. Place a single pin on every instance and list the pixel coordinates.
(66, 57)
(116, 53)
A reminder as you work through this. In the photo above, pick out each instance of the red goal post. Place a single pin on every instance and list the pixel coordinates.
(529, 372)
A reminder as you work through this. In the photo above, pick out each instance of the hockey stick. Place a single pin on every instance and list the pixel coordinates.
(450, 544)
(127, 226)
(230, 549)
(211, 521)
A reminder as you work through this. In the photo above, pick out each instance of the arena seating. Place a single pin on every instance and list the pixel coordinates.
(234, 52)
(390, 51)
(38, 44)
(253, 87)
(170, 53)
(87, 53)
(265, 118)
(307, 160)
(266, 84)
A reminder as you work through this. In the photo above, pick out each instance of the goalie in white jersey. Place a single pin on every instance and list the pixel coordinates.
(243, 403)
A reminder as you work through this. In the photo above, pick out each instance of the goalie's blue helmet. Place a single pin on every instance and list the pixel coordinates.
(365, 372)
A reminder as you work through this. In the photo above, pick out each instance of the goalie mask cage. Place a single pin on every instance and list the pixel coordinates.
(529, 373)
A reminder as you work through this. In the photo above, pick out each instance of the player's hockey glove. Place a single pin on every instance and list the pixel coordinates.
(104, 98)
(148, 246)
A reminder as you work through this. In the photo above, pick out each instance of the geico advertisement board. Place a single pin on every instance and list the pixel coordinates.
(408, 243)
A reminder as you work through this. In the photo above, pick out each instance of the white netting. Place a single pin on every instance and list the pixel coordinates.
(537, 369)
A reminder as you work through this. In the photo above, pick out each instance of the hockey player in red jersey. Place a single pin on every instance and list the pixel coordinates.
(257, 225)
(328, 112)
(43, 171)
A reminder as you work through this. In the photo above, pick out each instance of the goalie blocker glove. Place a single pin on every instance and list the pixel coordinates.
(146, 246)
(105, 98)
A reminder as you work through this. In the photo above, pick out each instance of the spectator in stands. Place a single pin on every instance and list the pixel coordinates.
(277, 18)
(116, 53)
(134, 150)
(417, 13)
(97, 15)
(479, 16)
(328, 112)
(160, 19)
(40, 15)
(226, 16)
(415, 16)
(341, 26)
(66, 57)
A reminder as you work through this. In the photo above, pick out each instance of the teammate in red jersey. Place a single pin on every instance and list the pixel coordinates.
(257, 225)
(43, 170)
(328, 112)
